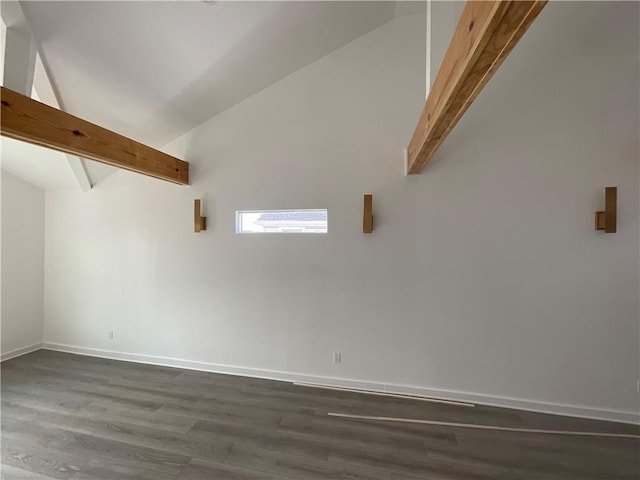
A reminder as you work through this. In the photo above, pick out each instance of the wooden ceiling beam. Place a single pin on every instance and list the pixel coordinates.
(25, 119)
(486, 33)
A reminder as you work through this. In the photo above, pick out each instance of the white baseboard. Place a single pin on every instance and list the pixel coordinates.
(20, 351)
(482, 399)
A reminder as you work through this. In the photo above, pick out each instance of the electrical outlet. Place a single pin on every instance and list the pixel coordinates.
(337, 357)
(110, 334)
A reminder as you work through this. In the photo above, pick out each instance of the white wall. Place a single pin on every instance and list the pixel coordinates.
(484, 278)
(22, 212)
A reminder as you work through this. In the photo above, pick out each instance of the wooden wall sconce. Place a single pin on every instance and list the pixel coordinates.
(607, 220)
(367, 219)
(199, 222)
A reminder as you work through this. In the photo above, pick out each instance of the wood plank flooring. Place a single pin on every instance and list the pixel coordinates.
(74, 417)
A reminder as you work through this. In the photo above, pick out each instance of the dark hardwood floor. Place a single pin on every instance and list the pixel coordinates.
(69, 416)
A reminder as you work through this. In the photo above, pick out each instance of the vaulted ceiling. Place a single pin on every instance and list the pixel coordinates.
(154, 70)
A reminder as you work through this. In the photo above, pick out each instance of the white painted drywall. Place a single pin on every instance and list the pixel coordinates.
(444, 18)
(483, 275)
(22, 212)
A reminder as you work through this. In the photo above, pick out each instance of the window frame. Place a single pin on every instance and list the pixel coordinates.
(239, 221)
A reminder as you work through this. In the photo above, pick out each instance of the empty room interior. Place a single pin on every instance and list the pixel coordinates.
(363, 240)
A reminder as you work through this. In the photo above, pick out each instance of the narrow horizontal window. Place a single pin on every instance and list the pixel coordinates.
(281, 221)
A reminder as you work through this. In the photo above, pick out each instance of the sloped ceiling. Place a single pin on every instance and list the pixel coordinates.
(155, 70)
(39, 166)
